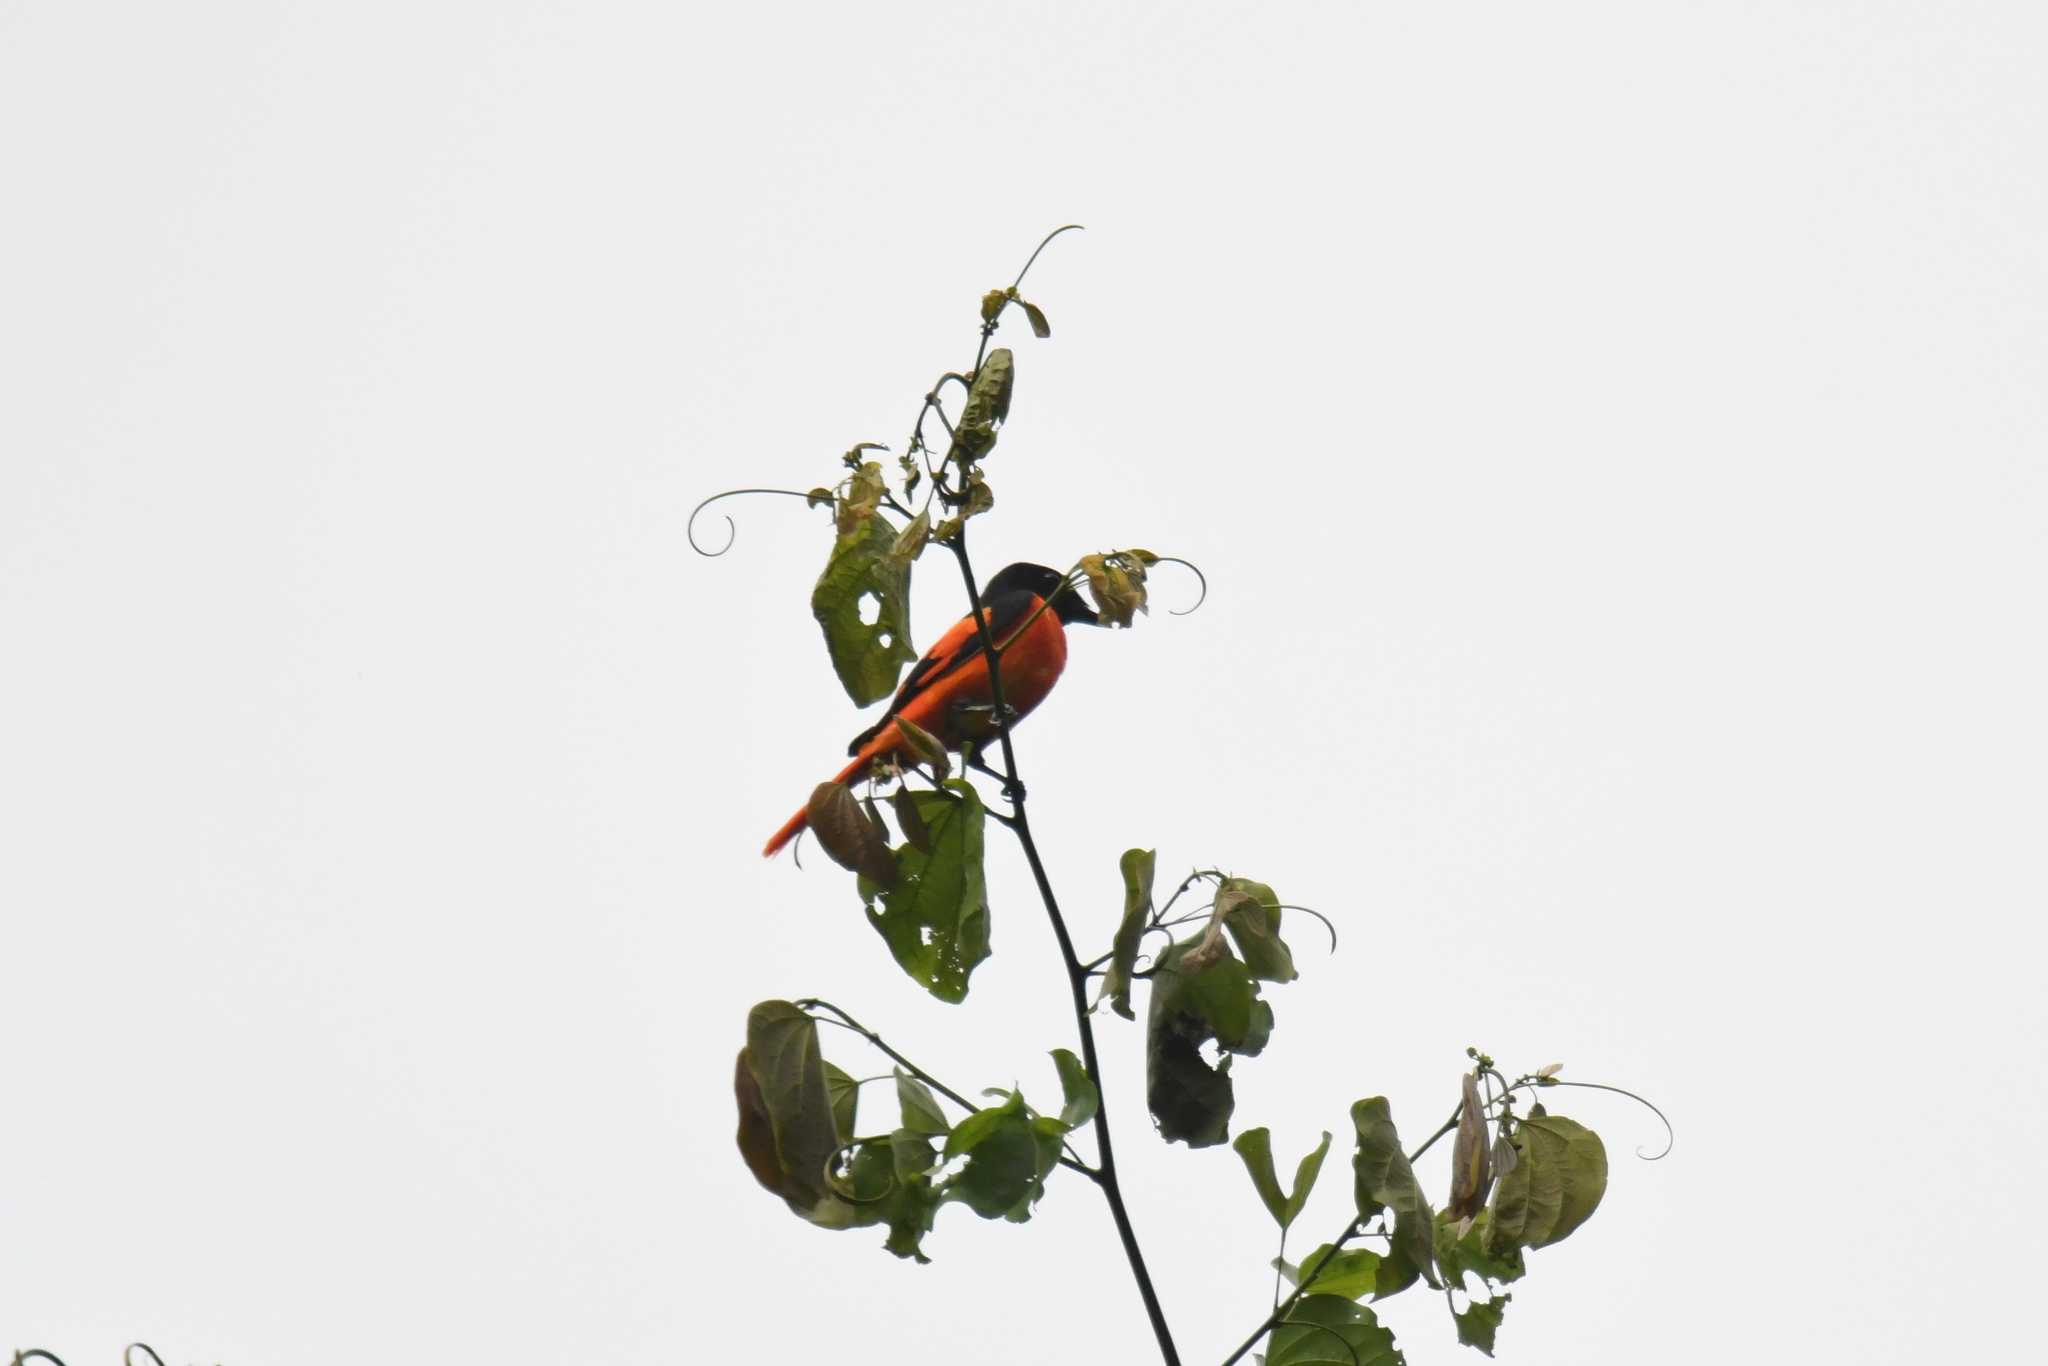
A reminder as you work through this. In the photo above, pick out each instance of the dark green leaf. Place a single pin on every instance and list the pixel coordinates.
(1136, 865)
(921, 1112)
(1191, 1101)
(1480, 1321)
(845, 1093)
(867, 656)
(915, 832)
(988, 397)
(1396, 1272)
(787, 1132)
(1330, 1330)
(1457, 1256)
(935, 919)
(1352, 1273)
(1039, 326)
(1008, 1157)
(1560, 1173)
(1082, 1099)
(888, 1181)
(1384, 1180)
(1253, 919)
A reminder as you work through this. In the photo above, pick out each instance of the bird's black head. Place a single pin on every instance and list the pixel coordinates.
(1070, 607)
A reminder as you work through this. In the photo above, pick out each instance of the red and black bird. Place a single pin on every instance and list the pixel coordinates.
(947, 692)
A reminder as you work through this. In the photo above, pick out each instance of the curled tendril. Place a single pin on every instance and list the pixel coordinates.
(34, 1352)
(1202, 578)
(1070, 227)
(127, 1353)
(1670, 1134)
(846, 1193)
(1152, 960)
(731, 531)
(1310, 910)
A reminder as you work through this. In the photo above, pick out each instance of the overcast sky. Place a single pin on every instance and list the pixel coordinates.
(1614, 435)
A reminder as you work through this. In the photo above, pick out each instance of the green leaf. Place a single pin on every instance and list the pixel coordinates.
(1479, 1321)
(1384, 1180)
(1082, 1099)
(1191, 1101)
(1253, 918)
(888, 1181)
(915, 834)
(925, 746)
(921, 1112)
(988, 404)
(935, 919)
(1559, 1175)
(911, 542)
(1306, 1173)
(1330, 1330)
(845, 1094)
(787, 1132)
(1351, 1273)
(867, 656)
(1008, 1158)
(1458, 1256)
(1255, 1146)
(1136, 866)
(1039, 326)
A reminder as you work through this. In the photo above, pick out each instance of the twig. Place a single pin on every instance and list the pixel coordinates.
(1077, 974)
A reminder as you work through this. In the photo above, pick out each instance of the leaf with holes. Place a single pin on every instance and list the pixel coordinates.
(863, 580)
(1479, 1320)
(1191, 1101)
(935, 918)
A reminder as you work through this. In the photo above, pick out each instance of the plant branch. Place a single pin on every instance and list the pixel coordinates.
(1077, 974)
(1351, 1230)
(846, 1021)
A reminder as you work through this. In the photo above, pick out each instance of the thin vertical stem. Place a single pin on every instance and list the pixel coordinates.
(1077, 974)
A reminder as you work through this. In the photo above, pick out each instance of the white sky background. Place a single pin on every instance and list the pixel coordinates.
(1614, 435)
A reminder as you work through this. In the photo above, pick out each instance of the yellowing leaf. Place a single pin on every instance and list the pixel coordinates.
(1117, 583)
